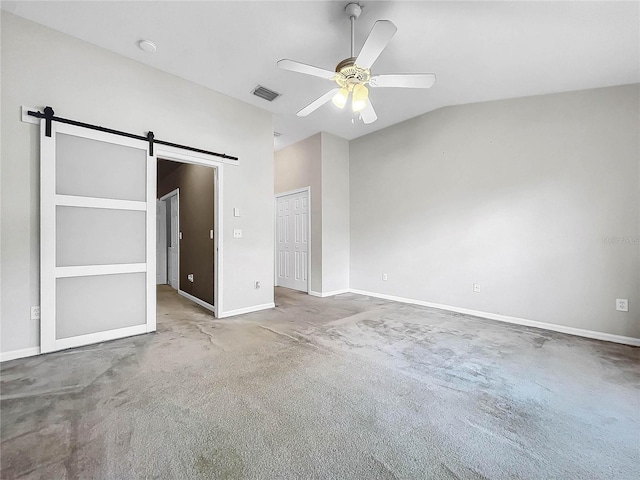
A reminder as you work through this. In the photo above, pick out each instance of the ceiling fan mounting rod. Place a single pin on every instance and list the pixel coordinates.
(353, 10)
(353, 36)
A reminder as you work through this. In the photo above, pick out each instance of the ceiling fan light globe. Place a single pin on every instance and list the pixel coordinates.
(360, 97)
(340, 98)
(358, 106)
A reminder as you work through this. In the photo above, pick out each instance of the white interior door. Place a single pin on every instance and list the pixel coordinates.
(97, 240)
(292, 241)
(161, 243)
(174, 246)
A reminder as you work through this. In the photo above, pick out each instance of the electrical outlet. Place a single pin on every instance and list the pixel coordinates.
(35, 312)
(384, 277)
(476, 287)
(237, 233)
(256, 285)
(622, 304)
(190, 277)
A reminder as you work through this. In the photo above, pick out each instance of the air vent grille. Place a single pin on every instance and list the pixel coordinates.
(265, 93)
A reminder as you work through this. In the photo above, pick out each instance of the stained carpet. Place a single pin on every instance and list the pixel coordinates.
(347, 387)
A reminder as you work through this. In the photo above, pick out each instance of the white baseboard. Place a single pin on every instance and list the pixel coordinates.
(23, 353)
(336, 292)
(202, 303)
(329, 294)
(580, 332)
(242, 311)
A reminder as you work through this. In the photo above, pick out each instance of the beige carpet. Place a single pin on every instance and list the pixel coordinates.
(337, 388)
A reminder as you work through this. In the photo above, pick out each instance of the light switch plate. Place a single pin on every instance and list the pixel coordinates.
(236, 212)
(237, 233)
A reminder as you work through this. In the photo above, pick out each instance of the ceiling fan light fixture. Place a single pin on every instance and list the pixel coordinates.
(352, 74)
(340, 98)
(360, 97)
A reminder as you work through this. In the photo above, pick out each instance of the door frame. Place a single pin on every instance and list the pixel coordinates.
(196, 158)
(275, 241)
(173, 193)
(159, 235)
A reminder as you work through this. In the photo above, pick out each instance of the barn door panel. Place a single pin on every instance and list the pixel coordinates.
(97, 237)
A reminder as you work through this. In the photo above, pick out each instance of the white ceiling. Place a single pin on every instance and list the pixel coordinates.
(479, 50)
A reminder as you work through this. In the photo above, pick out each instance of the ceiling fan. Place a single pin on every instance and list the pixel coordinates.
(353, 74)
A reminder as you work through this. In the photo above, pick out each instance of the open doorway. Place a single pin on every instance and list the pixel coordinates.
(168, 240)
(185, 245)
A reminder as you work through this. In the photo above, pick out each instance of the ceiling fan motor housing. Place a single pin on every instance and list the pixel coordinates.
(348, 74)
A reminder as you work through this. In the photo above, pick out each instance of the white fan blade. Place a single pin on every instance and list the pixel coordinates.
(368, 114)
(379, 37)
(307, 69)
(318, 103)
(409, 80)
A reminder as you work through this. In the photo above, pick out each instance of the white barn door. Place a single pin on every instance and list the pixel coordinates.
(98, 227)
(292, 241)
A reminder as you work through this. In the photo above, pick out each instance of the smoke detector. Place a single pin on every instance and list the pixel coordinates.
(147, 46)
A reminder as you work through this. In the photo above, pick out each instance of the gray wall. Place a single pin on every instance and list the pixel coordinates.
(299, 166)
(536, 199)
(321, 162)
(335, 213)
(43, 67)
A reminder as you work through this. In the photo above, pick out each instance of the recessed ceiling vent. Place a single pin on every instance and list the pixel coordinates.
(265, 93)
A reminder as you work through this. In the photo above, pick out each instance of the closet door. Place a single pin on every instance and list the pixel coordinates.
(97, 238)
(292, 241)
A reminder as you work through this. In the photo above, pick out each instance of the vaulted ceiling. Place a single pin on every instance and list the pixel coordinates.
(479, 50)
